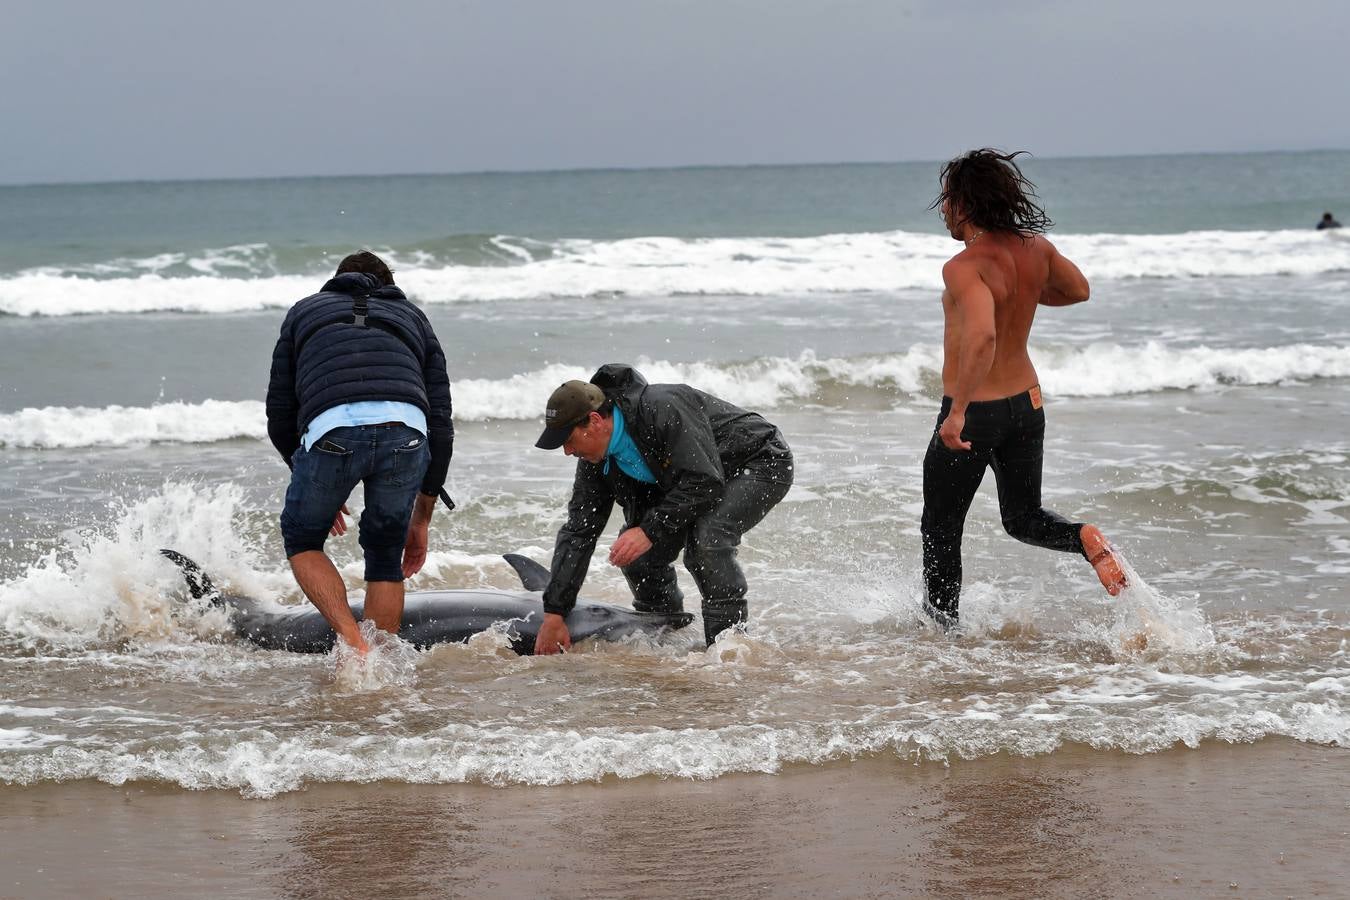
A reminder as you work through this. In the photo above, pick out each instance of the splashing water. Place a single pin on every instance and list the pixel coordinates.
(390, 661)
(1149, 623)
(738, 647)
(109, 584)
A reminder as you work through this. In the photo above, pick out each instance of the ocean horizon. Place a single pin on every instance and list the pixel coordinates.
(657, 167)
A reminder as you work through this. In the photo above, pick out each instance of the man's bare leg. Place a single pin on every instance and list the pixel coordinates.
(384, 604)
(322, 584)
(1104, 560)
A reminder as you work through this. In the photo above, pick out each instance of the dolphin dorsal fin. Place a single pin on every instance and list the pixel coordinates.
(533, 576)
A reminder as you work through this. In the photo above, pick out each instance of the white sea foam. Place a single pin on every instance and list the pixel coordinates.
(1095, 370)
(120, 426)
(260, 763)
(1104, 370)
(30, 712)
(239, 261)
(44, 294)
(651, 266)
(27, 739)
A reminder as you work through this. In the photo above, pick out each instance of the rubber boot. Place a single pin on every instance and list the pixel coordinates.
(719, 615)
(666, 605)
(655, 587)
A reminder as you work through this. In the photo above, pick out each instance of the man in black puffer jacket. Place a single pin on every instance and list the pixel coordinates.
(692, 473)
(359, 393)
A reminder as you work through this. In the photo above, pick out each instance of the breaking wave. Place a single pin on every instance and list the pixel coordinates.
(477, 268)
(1095, 370)
(259, 763)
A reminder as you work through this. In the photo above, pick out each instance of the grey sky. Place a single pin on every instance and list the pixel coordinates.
(185, 90)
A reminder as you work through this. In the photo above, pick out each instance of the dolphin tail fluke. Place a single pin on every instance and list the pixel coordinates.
(199, 584)
(533, 576)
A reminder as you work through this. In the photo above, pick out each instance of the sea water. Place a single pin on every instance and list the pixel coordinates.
(1196, 412)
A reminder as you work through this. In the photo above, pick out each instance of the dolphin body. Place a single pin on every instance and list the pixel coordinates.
(432, 617)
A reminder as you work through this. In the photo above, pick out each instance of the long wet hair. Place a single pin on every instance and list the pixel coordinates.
(992, 193)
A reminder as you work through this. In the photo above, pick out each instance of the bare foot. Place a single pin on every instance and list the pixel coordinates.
(1103, 558)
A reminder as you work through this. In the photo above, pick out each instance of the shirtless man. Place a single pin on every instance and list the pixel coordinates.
(992, 410)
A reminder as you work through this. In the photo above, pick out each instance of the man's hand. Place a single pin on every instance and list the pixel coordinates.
(414, 550)
(950, 432)
(553, 636)
(415, 547)
(630, 545)
(340, 524)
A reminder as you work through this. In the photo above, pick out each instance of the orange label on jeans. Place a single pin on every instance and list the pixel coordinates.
(1035, 393)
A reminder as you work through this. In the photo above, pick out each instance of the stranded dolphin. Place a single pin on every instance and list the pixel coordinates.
(432, 617)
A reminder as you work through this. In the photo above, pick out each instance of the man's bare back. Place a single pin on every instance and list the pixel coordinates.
(1000, 279)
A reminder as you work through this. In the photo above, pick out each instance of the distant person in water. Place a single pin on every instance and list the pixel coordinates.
(1327, 222)
(992, 413)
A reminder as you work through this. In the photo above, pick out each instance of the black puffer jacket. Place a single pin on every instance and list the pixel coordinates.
(323, 359)
(690, 440)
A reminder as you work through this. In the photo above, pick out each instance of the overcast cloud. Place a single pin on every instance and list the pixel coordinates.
(155, 90)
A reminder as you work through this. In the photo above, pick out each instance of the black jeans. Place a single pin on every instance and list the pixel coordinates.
(710, 543)
(1009, 435)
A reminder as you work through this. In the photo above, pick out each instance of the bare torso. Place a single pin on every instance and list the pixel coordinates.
(1016, 271)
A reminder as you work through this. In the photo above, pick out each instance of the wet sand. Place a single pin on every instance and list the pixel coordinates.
(1269, 819)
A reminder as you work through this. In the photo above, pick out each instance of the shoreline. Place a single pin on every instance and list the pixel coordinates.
(1271, 818)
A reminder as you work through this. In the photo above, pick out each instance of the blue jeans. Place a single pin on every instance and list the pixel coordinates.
(389, 459)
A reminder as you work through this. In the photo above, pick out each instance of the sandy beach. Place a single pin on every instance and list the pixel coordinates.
(1269, 819)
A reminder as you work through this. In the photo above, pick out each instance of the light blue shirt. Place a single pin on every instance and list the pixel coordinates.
(624, 452)
(366, 412)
